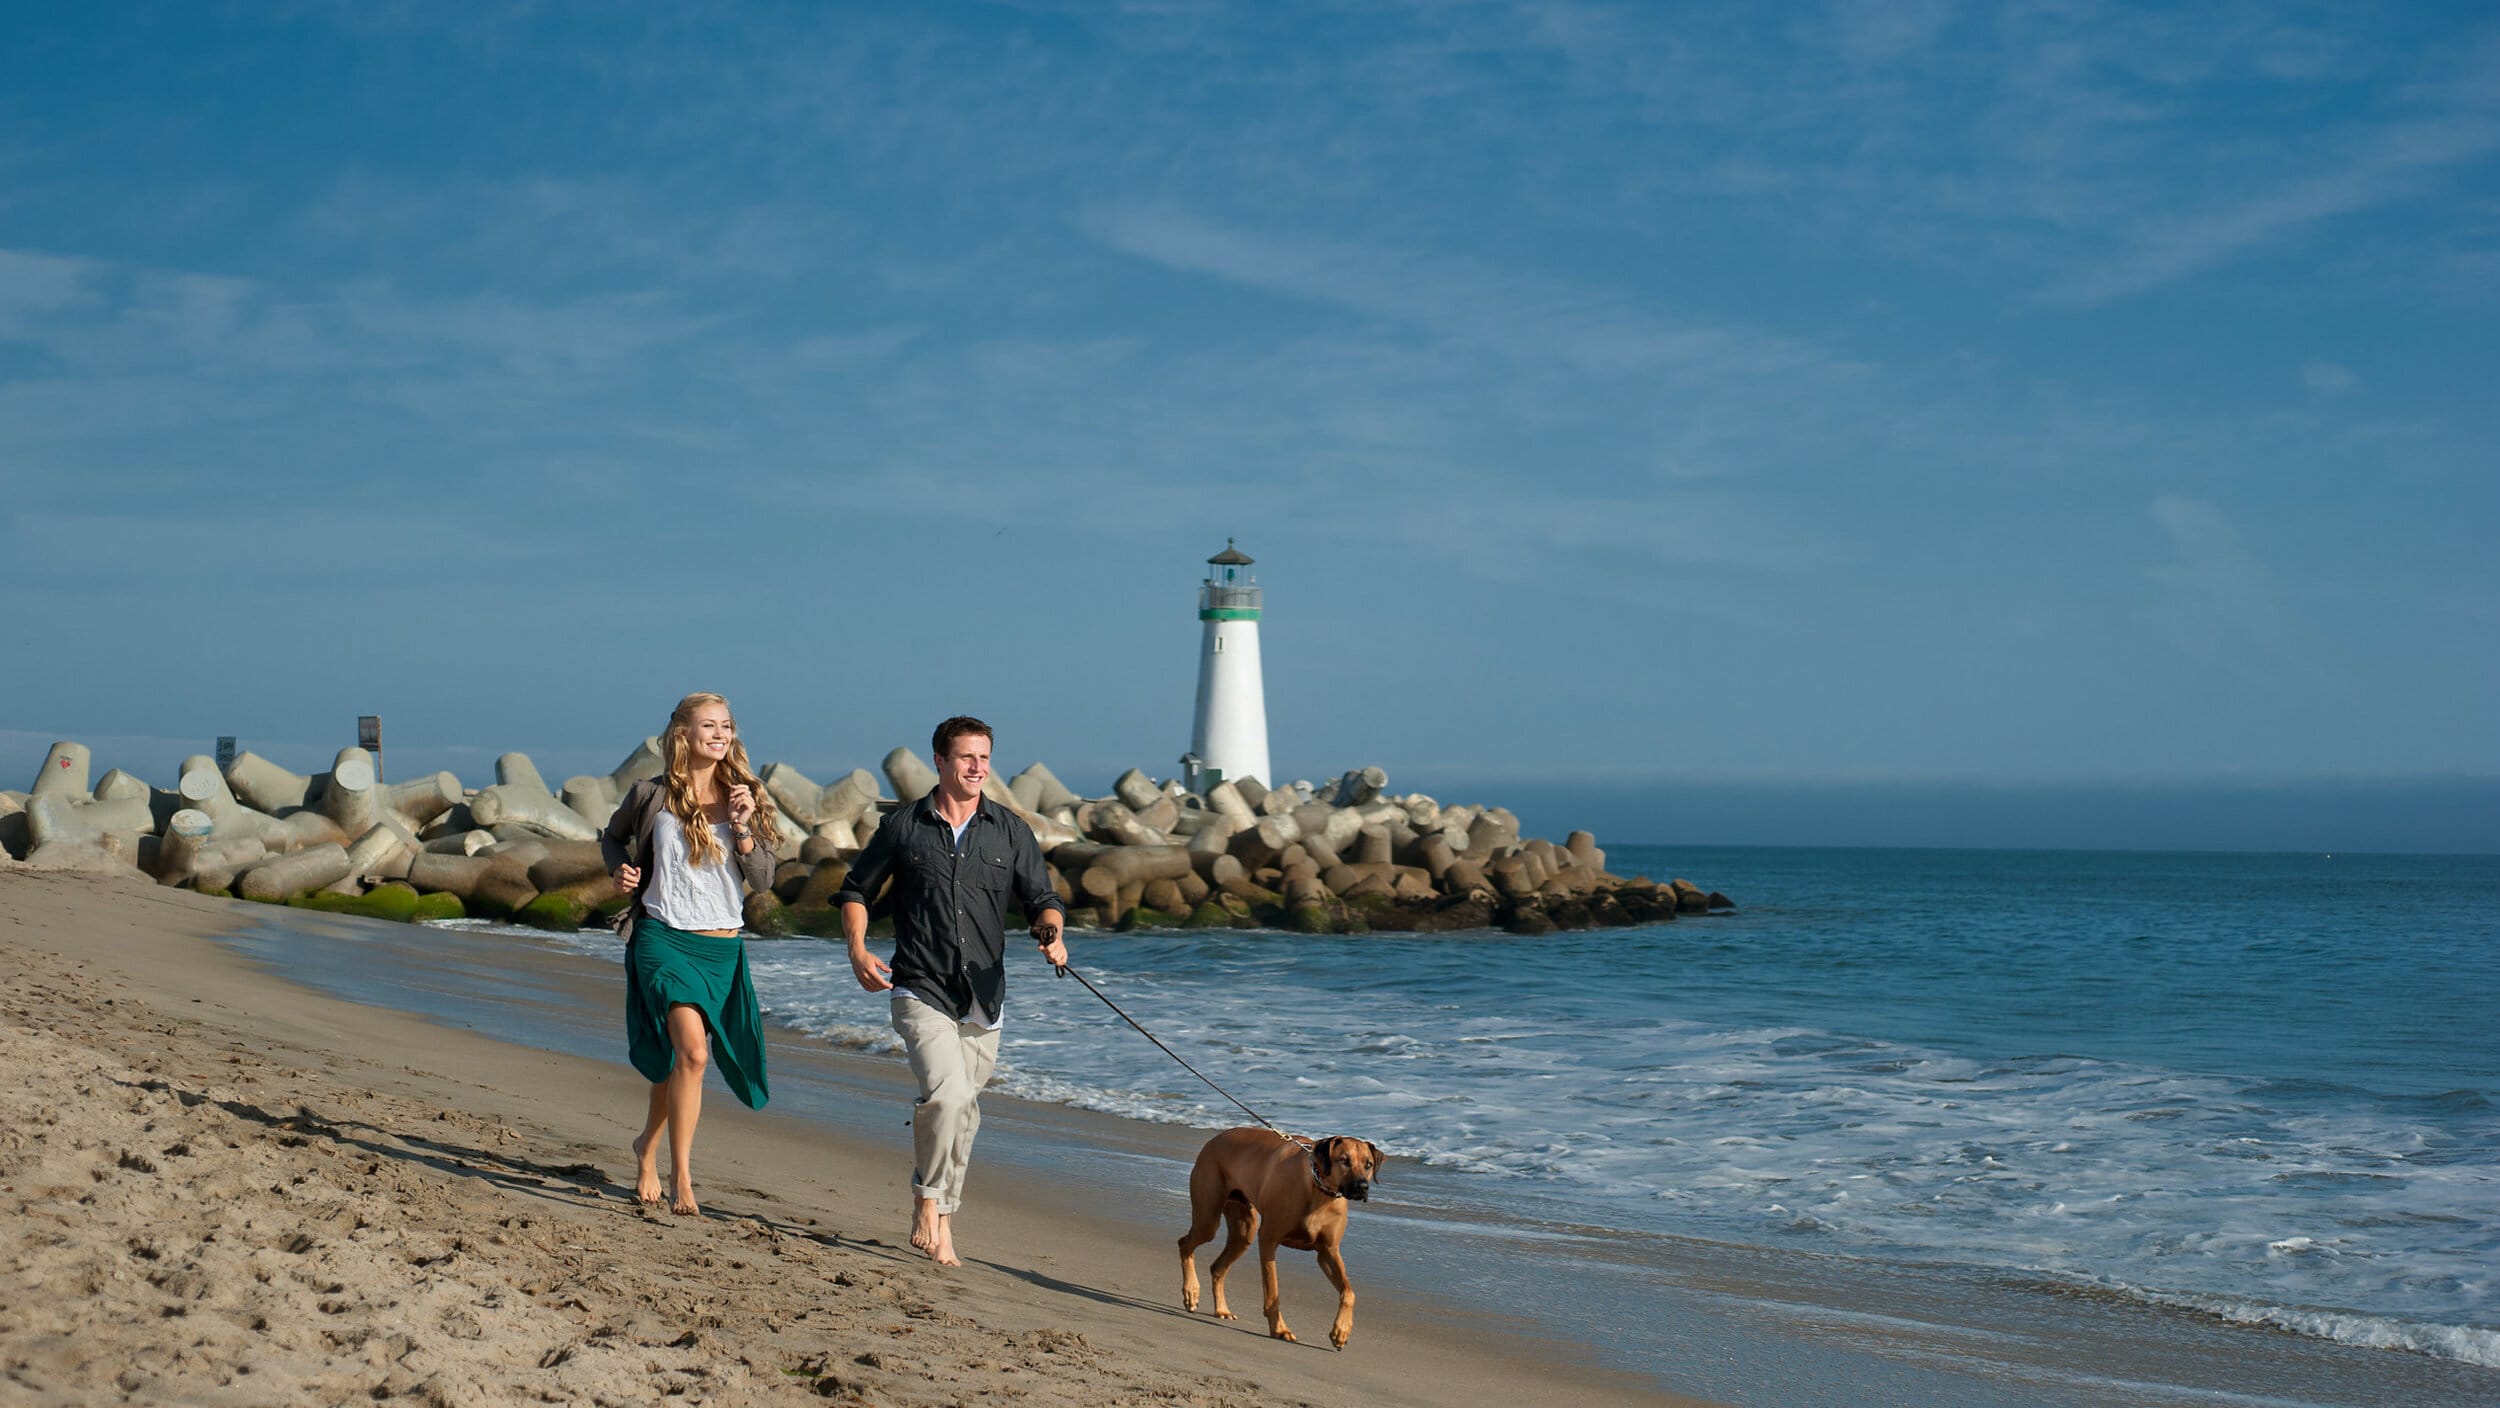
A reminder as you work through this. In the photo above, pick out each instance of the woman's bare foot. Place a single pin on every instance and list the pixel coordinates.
(683, 1203)
(647, 1169)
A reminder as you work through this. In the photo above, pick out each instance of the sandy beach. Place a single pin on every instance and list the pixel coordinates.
(227, 1189)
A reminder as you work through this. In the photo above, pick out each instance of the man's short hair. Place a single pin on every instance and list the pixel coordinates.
(942, 742)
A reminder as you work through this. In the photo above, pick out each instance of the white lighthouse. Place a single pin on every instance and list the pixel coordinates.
(1229, 741)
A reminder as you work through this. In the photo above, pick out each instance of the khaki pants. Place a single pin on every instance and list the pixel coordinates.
(950, 1061)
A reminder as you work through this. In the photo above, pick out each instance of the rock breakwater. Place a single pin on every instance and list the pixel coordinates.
(1344, 856)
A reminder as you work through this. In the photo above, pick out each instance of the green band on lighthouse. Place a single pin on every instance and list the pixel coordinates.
(1228, 613)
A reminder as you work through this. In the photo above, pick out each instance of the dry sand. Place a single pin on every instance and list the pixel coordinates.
(228, 1190)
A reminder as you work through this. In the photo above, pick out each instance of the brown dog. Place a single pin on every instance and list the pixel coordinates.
(1290, 1195)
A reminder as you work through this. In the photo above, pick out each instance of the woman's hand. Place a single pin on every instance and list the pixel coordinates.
(627, 877)
(741, 804)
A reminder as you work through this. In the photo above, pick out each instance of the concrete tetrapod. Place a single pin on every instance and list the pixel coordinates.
(204, 789)
(912, 778)
(1115, 825)
(384, 851)
(521, 795)
(421, 799)
(850, 799)
(195, 854)
(281, 877)
(119, 786)
(1049, 793)
(65, 834)
(63, 774)
(487, 885)
(593, 799)
(432, 871)
(1225, 799)
(1360, 785)
(263, 785)
(179, 845)
(1124, 866)
(1259, 846)
(798, 795)
(516, 770)
(351, 800)
(644, 761)
(459, 843)
(1136, 789)
(1214, 834)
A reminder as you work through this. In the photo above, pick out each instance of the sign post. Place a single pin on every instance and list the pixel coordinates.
(369, 738)
(225, 751)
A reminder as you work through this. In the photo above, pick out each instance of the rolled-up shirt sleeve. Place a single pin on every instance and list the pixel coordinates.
(869, 867)
(1033, 889)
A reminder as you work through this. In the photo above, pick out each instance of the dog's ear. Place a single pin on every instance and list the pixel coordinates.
(1324, 1153)
(1378, 1158)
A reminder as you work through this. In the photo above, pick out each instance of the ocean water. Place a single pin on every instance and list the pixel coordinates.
(2265, 1087)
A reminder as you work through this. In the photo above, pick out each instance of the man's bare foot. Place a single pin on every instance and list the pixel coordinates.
(647, 1170)
(931, 1232)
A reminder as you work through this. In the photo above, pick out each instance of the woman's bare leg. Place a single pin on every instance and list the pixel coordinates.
(647, 1148)
(684, 1088)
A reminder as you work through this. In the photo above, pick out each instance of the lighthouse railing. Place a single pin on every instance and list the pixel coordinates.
(1214, 598)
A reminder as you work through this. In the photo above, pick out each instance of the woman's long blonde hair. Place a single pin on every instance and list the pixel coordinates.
(677, 758)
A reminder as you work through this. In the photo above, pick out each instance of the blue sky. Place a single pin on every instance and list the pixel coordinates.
(2042, 395)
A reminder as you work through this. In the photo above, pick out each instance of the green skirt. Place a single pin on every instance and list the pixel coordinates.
(664, 967)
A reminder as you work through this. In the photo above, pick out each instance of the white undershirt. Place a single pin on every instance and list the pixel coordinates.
(684, 896)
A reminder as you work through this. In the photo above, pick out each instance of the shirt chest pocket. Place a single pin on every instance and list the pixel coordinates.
(988, 871)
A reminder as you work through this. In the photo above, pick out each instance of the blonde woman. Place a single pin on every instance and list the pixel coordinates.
(688, 846)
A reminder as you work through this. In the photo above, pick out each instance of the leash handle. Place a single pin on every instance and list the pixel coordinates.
(1068, 971)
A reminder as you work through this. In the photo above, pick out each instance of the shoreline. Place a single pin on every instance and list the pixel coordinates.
(1058, 1300)
(1063, 1190)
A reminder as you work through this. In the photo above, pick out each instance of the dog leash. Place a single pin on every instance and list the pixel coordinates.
(1066, 971)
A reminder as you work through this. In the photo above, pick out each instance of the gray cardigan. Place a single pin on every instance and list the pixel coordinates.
(626, 840)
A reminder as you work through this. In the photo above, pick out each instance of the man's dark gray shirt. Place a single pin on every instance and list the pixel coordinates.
(950, 904)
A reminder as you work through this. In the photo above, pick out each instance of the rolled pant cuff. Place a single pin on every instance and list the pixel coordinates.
(946, 1202)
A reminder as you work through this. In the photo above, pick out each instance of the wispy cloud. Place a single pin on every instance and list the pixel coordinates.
(2223, 603)
(32, 284)
(2399, 164)
(1521, 316)
(2328, 378)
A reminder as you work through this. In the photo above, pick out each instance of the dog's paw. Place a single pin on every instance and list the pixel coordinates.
(1189, 1300)
(1338, 1337)
(1222, 1314)
(1280, 1332)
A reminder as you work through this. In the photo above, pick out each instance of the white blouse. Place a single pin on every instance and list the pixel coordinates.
(684, 896)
